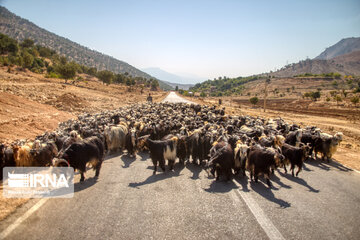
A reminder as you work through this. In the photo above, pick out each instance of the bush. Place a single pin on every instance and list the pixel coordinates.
(254, 100)
(355, 100)
(105, 76)
(8, 45)
(202, 94)
(28, 60)
(335, 84)
(67, 71)
(338, 99)
(52, 75)
(27, 43)
(315, 95)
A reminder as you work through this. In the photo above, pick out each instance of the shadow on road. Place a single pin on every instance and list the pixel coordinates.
(221, 187)
(305, 168)
(195, 169)
(112, 155)
(299, 181)
(243, 181)
(327, 165)
(277, 180)
(144, 156)
(158, 177)
(267, 193)
(89, 182)
(127, 160)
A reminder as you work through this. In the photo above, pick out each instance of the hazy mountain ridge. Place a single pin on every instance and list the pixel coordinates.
(19, 28)
(171, 77)
(344, 46)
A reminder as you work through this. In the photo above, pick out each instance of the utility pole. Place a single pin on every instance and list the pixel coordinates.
(267, 81)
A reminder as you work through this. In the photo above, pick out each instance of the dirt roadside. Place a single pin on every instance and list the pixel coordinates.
(31, 104)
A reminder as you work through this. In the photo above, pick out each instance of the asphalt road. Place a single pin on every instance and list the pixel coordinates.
(173, 97)
(128, 202)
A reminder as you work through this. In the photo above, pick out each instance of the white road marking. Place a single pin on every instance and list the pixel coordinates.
(14, 225)
(271, 231)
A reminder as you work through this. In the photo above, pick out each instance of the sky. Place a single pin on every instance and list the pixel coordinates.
(204, 38)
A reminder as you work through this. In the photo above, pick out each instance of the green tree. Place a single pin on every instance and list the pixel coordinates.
(28, 60)
(177, 88)
(315, 95)
(202, 94)
(92, 71)
(27, 43)
(63, 60)
(105, 76)
(254, 100)
(119, 78)
(67, 71)
(8, 44)
(154, 85)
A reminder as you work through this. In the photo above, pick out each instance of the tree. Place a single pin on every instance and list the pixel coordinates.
(105, 76)
(202, 94)
(177, 88)
(67, 71)
(8, 44)
(338, 99)
(63, 60)
(315, 95)
(27, 43)
(154, 85)
(307, 95)
(355, 100)
(28, 60)
(92, 71)
(254, 100)
(119, 78)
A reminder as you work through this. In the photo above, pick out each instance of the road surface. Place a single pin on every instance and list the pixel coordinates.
(173, 97)
(128, 202)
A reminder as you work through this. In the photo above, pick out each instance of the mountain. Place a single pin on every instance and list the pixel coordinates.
(173, 78)
(179, 85)
(19, 28)
(346, 64)
(345, 46)
(342, 57)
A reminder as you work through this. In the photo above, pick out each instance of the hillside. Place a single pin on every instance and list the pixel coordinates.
(20, 29)
(348, 64)
(343, 57)
(345, 46)
(31, 104)
(312, 69)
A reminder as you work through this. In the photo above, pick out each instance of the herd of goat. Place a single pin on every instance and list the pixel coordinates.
(224, 145)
